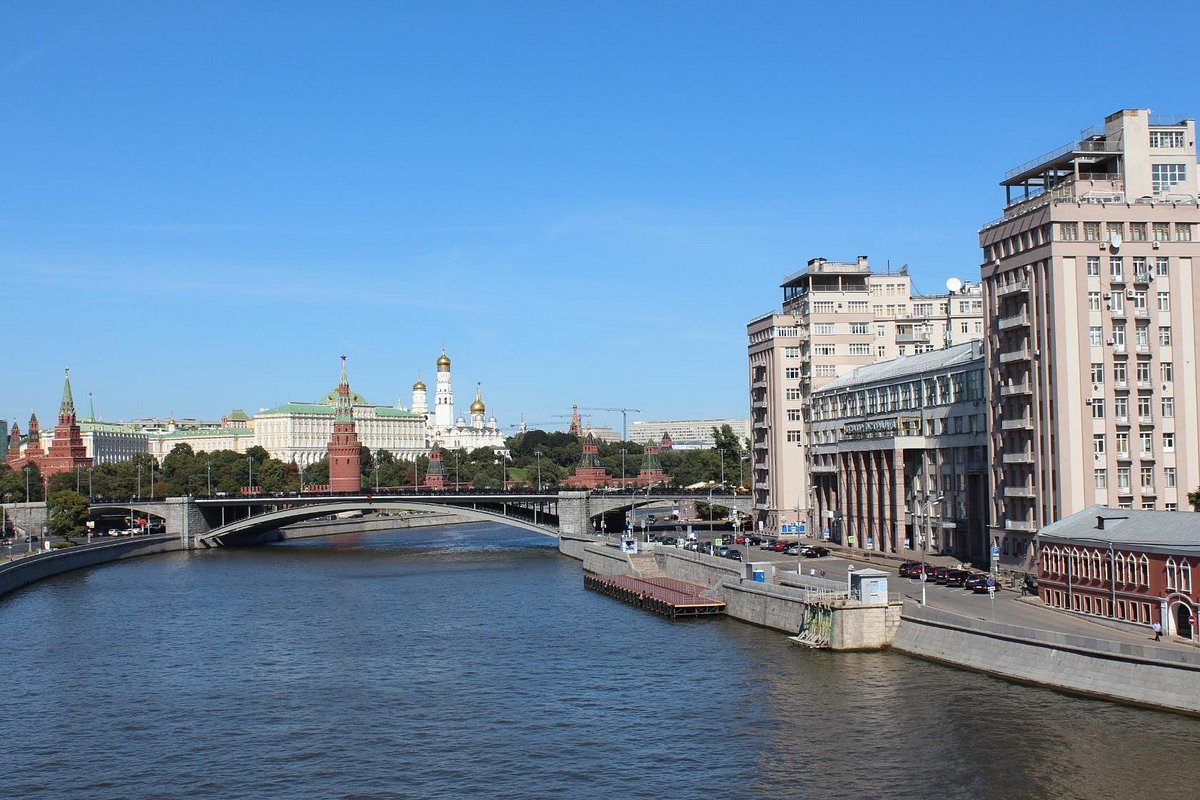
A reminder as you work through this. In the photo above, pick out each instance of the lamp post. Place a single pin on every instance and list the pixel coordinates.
(622, 467)
(377, 476)
(301, 480)
(151, 479)
(249, 475)
(210, 479)
(139, 482)
(77, 476)
(538, 453)
(89, 484)
(28, 514)
(710, 514)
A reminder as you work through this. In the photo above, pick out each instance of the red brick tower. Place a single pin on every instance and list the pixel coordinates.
(576, 429)
(33, 440)
(435, 474)
(67, 451)
(345, 451)
(651, 472)
(590, 473)
(666, 445)
(14, 446)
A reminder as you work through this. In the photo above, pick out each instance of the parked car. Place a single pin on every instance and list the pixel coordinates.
(957, 577)
(940, 574)
(976, 582)
(816, 552)
(721, 551)
(767, 544)
(794, 550)
(910, 569)
(780, 547)
(669, 540)
(735, 555)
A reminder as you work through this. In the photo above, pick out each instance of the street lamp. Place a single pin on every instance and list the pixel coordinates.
(710, 514)
(28, 514)
(89, 484)
(301, 479)
(622, 467)
(152, 478)
(538, 453)
(250, 475)
(210, 479)
(139, 485)
(377, 476)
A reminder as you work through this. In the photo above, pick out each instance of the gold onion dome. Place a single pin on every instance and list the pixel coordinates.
(419, 386)
(478, 407)
(443, 362)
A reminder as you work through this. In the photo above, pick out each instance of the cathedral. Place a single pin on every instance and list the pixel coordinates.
(446, 430)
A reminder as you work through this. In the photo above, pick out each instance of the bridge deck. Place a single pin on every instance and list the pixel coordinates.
(666, 596)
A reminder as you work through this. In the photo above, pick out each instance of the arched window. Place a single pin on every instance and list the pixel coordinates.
(1046, 565)
(1172, 575)
(1185, 576)
(1144, 571)
(1119, 568)
(1107, 568)
(1097, 569)
(1058, 561)
(1074, 562)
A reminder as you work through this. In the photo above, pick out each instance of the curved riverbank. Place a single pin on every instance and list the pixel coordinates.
(31, 569)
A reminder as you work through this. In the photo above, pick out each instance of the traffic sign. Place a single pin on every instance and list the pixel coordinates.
(995, 553)
(991, 591)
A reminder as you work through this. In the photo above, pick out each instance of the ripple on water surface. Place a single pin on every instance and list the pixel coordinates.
(470, 662)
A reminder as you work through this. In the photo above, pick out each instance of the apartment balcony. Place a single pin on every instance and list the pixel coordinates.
(1018, 491)
(1015, 389)
(758, 404)
(1018, 525)
(1142, 277)
(1007, 289)
(1149, 491)
(1123, 455)
(1017, 458)
(827, 469)
(1020, 424)
(1143, 348)
(759, 426)
(1014, 321)
(1015, 355)
(1122, 420)
(1141, 313)
(913, 338)
(758, 385)
(1146, 420)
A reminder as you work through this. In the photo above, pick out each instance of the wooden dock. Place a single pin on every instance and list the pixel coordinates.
(665, 596)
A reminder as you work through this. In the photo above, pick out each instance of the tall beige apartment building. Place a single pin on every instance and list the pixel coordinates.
(835, 316)
(1092, 338)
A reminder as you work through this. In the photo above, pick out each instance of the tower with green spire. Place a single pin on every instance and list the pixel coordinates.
(67, 450)
(344, 449)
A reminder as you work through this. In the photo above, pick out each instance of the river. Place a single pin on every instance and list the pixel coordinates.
(470, 662)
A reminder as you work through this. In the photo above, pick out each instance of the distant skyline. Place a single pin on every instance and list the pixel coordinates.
(207, 203)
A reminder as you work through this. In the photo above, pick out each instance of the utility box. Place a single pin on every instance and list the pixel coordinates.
(760, 571)
(869, 586)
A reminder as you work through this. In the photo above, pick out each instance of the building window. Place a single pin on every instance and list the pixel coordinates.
(795, 415)
(856, 349)
(1144, 406)
(1122, 444)
(1118, 334)
(1164, 176)
(1120, 373)
(1116, 268)
(1137, 231)
(1091, 231)
(860, 328)
(1144, 576)
(1169, 477)
(1068, 231)
(795, 436)
(825, 370)
(1123, 479)
(1166, 139)
(881, 351)
(1097, 408)
(1143, 372)
(1183, 232)
(1162, 231)
(1162, 266)
(791, 394)
(1147, 477)
(1093, 301)
(791, 373)
(1095, 336)
(1121, 408)
(1168, 407)
(1098, 444)
(1097, 372)
(1167, 370)
(825, 349)
(823, 307)
(1093, 266)
(1146, 442)
(1164, 301)
(822, 329)
(1141, 336)
(1168, 442)
(1101, 479)
(1164, 336)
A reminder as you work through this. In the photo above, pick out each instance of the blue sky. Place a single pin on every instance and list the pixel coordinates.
(206, 203)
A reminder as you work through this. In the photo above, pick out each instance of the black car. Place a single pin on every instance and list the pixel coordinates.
(979, 583)
(816, 552)
(957, 577)
(910, 569)
(939, 574)
(735, 555)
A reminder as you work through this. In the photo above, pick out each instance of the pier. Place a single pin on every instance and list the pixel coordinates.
(666, 596)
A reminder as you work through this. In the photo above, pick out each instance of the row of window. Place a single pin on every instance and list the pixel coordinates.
(1144, 408)
(1118, 339)
(938, 426)
(1120, 370)
(1115, 301)
(1142, 271)
(1128, 610)
(1138, 231)
(1128, 569)
(1124, 474)
(1145, 439)
(938, 390)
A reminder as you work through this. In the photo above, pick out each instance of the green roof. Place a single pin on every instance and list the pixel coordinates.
(195, 433)
(325, 410)
(239, 415)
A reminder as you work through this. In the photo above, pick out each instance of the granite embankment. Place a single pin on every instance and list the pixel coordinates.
(1143, 675)
(30, 569)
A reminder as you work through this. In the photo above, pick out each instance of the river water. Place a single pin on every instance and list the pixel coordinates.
(470, 662)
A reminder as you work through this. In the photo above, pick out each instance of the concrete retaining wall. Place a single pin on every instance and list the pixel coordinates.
(333, 527)
(700, 568)
(602, 560)
(1139, 674)
(770, 606)
(31, 569)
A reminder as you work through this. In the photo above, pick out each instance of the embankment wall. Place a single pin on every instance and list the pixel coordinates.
(31, 569)
(332, 527)
(1142, 675)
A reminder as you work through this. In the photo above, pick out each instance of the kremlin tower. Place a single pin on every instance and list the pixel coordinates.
(435, 473)
(345, 451)
(67, 450)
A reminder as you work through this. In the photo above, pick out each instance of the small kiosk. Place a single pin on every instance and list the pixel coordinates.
(869, 586)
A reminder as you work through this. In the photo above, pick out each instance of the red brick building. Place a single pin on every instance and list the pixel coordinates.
(651, 473)
(590, 473)
(344, 449)
(1124, 564)
(435, 473)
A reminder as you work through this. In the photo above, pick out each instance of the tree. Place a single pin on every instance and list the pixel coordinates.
(13, 482)
(68, 513)
(1194, 499)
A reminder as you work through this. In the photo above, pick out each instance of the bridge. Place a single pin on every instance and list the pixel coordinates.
(218, 521)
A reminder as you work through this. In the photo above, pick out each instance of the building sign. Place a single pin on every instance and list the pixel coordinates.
(882, 428)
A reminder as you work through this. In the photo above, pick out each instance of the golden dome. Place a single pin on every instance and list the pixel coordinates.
(419, 386)
(443, 362)
(478, 407)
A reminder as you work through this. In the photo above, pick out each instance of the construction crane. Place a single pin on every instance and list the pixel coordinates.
(624, 418)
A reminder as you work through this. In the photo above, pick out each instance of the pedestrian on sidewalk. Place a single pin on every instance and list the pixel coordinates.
(1157, 631)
